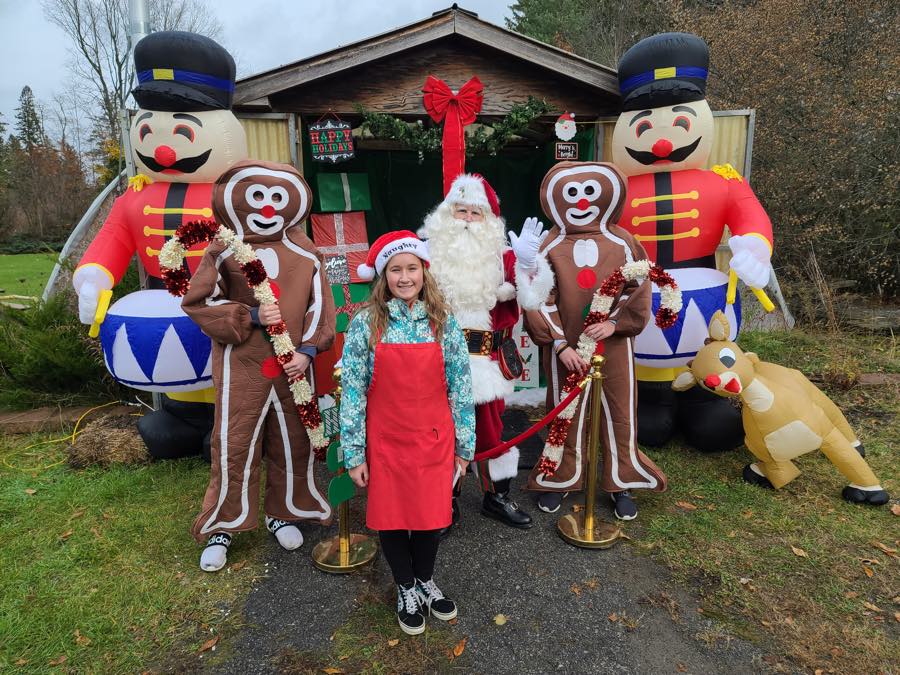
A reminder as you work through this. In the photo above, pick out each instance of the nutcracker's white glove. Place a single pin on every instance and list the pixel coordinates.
(528, 243)
(89, 281)
(751, 260)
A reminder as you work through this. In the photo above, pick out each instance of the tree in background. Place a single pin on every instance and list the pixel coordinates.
(29, 123)
(600, 30)
(822, 76)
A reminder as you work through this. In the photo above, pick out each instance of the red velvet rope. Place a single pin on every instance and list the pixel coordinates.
(494, 452)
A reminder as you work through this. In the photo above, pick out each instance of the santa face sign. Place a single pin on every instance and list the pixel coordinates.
(565, 127)
(583, 196)
(259, 200)
(671, 138)
(181, 147)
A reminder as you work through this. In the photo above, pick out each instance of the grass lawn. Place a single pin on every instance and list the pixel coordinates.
(799, 568)
(25, 273)
(98, 572)
(97, 569)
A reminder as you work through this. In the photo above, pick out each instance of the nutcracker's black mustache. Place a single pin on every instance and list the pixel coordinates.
(186, 165)
(677, 155)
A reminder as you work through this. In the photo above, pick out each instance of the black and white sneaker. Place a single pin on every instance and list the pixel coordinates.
(625, 508)
(288, 534)
(409, 612)
(215, 555)
(549, 502)
(431, 597)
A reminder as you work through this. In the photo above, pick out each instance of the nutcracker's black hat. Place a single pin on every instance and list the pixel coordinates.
(180, 71)
(663, 70)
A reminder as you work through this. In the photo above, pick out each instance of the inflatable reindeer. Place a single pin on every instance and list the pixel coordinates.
(784, 416)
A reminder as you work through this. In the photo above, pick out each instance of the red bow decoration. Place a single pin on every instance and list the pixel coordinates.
(456, 111)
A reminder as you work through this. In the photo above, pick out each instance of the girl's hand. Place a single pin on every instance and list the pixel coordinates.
(269, 314)
(573, 362)
(463, 464)
(360, 475)
(600, 331)
(297, 365)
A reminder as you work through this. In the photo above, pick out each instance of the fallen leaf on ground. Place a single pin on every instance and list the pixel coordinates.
(680, 667)
(687, 506)
(80, 639)
(65, 535)
(837, 652)
(59, 660)
(239, 566)
(592, 583)
(747, 514)
(869, 561)
(897, 617)
(767, 624)
(393, 643)
(332, 671)
(576, 589)
(789, 620)
(799, 552)
(851, 594)
(209, 644)
(22, 662)
(869, 571)
(818, 671)
(613, 617)
(460, 647)
(874, 608)
(886, 549)
(895, 509)
(30, 491)
(76, 514)
(500, 619)
(96, 533)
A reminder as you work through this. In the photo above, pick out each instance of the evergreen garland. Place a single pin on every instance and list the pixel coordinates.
(416, 137)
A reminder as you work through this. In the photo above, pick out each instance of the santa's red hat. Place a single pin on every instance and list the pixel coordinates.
(565, 117)
(472, 189)
(386, 247)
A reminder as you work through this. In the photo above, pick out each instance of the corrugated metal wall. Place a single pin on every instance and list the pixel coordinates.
(268, 139)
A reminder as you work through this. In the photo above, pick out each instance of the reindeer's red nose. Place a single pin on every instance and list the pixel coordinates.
(583, 204)
(267, 211)
(164, 155)
(712, 381)
(734, 386)
(662, 148)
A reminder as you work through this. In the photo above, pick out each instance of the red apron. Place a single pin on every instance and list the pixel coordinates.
(410, 439)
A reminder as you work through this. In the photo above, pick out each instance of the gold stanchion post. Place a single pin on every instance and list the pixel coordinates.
(346, 552)
(582, 529)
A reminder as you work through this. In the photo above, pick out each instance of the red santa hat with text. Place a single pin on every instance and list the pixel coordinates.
(386, 247)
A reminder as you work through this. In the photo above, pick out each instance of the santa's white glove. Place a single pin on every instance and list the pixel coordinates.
(89, 281)
(528, 243)
(751, 260)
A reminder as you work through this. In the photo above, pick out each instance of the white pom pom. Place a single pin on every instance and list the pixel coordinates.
(365, 272)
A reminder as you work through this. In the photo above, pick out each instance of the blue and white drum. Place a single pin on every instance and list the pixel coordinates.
(702, 292)
(149, 343)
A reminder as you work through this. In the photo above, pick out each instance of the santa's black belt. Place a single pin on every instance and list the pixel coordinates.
(483, 341)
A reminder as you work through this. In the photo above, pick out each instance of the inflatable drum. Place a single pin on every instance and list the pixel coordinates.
(149, 343)
(702, 292)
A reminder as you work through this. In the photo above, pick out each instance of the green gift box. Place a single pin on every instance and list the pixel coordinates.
(347, 299)
(344, 192)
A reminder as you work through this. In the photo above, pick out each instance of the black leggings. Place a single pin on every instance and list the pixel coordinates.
(411, 554)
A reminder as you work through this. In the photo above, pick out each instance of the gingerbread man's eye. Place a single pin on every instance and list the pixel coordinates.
(572, 191)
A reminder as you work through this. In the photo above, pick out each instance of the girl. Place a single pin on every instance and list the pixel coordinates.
(407, 409)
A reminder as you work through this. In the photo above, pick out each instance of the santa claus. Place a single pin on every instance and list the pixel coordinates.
(485, 281)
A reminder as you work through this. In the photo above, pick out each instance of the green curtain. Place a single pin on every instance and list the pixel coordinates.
(404, 189)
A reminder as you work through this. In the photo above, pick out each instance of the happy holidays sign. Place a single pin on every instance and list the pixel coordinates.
(331, 141)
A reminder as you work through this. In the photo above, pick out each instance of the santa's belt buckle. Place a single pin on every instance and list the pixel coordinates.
(481, 341)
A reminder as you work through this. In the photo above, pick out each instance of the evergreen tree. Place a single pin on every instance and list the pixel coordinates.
(29, 125)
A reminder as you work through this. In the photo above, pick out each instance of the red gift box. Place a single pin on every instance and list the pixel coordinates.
(342, 234)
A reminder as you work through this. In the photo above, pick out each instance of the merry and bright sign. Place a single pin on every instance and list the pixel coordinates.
(331, 141)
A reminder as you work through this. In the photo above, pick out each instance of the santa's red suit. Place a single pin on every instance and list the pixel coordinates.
(485, 286)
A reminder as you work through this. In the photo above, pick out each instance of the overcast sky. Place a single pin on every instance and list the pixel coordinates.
(261, 34)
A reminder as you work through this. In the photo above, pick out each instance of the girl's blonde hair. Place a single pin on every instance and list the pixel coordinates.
(435, 306)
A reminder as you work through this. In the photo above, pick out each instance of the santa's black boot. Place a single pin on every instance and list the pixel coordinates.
(499, 506)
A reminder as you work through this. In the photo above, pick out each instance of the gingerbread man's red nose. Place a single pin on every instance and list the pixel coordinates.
(662, 148)
(583, 204)
(712, 381)
(267, 211)
(164, 155)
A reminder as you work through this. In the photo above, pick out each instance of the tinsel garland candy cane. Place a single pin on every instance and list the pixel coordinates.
(177, 283)
(601, 304)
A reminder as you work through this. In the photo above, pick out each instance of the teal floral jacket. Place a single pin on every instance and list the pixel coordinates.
(407, 326)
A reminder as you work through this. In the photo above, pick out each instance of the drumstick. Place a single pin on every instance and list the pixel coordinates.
(100, 314)
(760, 294)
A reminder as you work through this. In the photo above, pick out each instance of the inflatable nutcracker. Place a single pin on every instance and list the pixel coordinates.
(265, 204)
(678, 211)
(183, 136)
(583, 248)
(480, 277)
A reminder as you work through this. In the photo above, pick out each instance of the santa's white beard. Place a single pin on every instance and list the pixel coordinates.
(467, 263)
